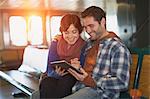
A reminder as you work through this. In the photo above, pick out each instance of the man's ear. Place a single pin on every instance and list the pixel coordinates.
(103, 22)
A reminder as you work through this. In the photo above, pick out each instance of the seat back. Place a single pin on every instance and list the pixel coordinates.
(35, 59)
(134, 91)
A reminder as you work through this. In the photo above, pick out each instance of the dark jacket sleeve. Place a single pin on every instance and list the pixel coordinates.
(52, 56)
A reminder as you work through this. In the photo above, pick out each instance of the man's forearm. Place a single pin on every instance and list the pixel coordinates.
(89, 81)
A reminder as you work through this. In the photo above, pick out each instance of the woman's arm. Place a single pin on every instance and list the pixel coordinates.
(52, 56)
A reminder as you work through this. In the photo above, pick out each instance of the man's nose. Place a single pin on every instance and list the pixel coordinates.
(88, 30)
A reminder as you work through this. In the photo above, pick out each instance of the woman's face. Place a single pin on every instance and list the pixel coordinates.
(71, 35)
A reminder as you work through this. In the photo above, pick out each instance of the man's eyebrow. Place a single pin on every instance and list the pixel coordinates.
(88, 25)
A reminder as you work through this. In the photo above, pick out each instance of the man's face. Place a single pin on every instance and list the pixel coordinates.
(92, 27)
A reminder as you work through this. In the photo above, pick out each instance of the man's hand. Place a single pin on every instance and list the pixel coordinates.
(75, 63)
(60, 71)
(78, 76)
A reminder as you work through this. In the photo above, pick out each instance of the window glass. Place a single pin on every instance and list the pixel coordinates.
(24, 30)
(35, 33)
(55, 25)
(112, 19)
(18, 34)
(48, 34)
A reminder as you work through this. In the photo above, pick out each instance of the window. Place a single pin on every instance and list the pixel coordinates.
(52, 27)
(55, 25)
(35, 33)
(23, 31)
(112, 19)
(48, 35)
(18, 33)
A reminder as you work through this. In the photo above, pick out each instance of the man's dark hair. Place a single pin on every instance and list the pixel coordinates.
(95, 12)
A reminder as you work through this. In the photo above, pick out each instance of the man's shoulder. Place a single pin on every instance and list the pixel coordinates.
(114, 43)
(118, 45)
(111, 41)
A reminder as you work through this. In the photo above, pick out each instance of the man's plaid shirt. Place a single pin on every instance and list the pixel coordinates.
(111, 72)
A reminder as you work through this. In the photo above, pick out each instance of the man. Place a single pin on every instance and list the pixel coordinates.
(107, 61)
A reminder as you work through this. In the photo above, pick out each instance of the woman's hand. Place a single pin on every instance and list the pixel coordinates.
(78, 76)
(60, 71)
(42, 76)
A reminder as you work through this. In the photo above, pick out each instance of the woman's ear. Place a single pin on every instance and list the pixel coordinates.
(60, 29)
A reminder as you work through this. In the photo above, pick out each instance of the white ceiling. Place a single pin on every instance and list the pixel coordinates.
(71, 5)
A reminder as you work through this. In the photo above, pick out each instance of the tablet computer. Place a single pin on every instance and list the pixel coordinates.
(64, 64)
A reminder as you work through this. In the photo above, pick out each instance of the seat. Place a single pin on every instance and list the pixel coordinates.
(26, 78)
(134, 92)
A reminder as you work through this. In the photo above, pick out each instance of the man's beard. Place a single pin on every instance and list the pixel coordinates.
(98, 35)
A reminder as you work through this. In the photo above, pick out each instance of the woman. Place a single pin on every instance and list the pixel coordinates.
(67, 47)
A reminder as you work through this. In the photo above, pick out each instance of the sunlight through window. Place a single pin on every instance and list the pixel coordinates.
(35, 34)
(18, 33)
(55, 25)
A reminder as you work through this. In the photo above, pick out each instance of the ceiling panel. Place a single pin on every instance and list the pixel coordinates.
(71, 5)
